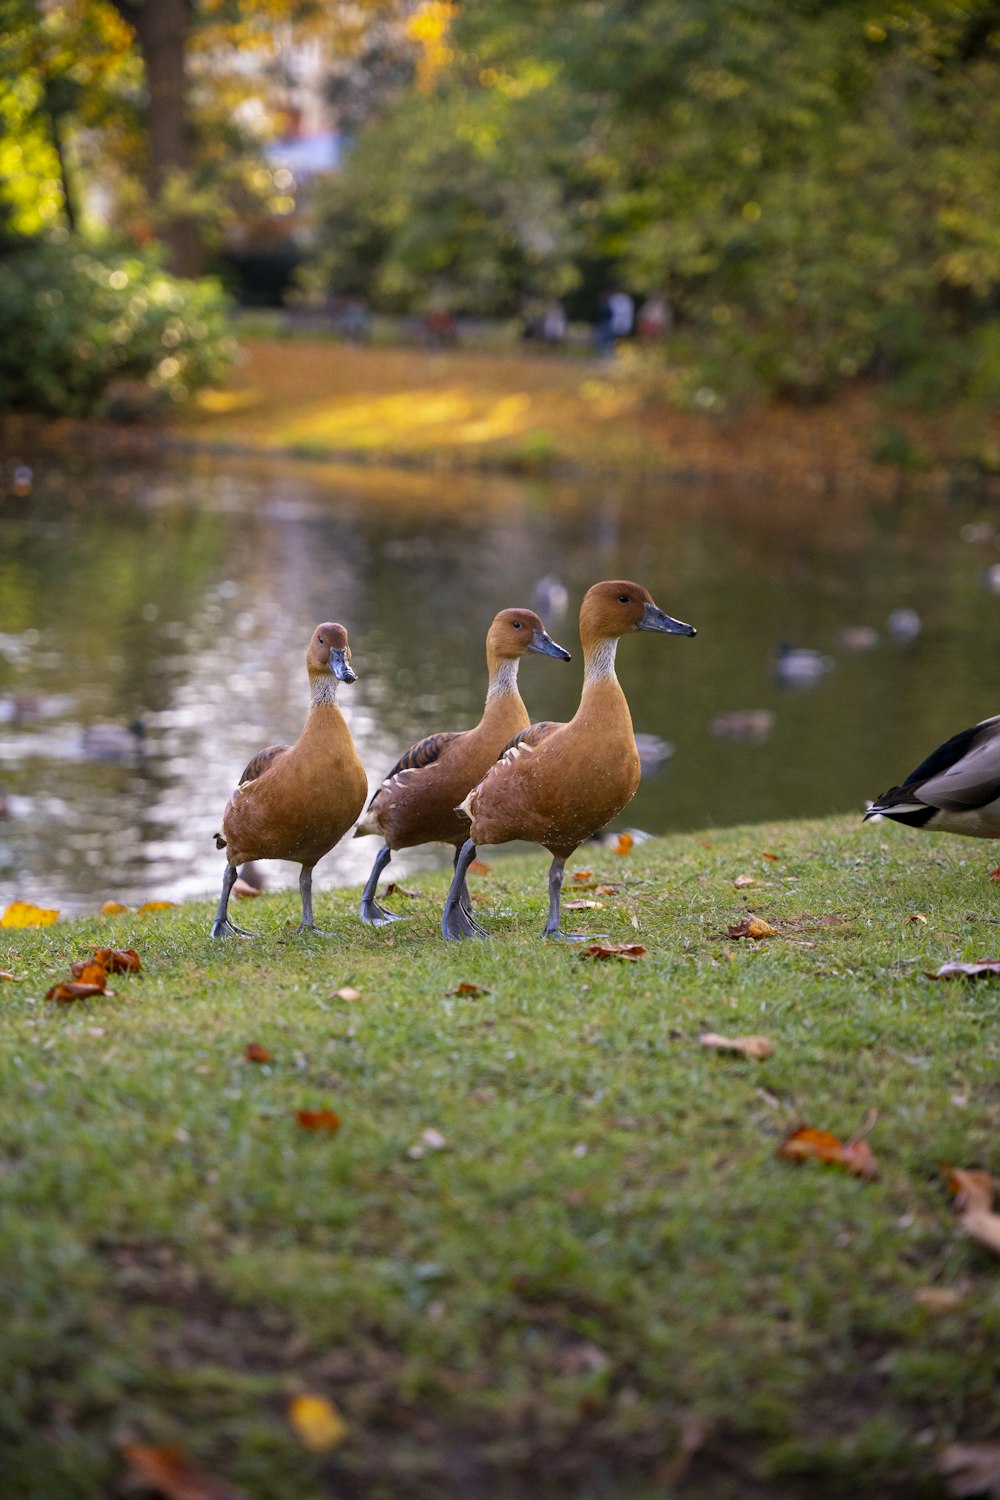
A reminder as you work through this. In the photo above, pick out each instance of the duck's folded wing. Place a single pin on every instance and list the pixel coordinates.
(261, 761)
(528, 739)
(964, 772)
(424, 753)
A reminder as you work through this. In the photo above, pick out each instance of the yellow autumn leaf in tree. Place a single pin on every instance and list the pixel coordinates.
(317, 1422)
(26, 914)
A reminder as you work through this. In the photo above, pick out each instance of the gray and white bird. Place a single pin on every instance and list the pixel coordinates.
(955, 790)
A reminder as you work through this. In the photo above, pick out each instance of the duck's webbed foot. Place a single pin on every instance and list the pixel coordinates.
(457, 921)
(372, 914)
(223, 927)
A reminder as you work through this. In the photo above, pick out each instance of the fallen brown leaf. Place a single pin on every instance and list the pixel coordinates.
(90, 971)
(395, 889)
(752, 927)
(764, 855)
(583, 875)
(749, 1046)
(155, 906)
(254, 1052)
(995, 874)
(171, 1474)
(478, 867)
(348, 994)
(67, 991)
(318, 1119)
(112, 909)
(623, 844)
(631, 951)
(465, 988)
(582, 905)
(8, 976)
(742, 881)
(317, 1422)
(974, 1191)
(937, 1299)
(606, 890)
(984, 968)
(806, 1142)
(917, 916)
(119, 960)
(970, 1468)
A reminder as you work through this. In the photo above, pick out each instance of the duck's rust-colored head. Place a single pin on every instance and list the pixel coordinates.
(329, 651)
(515, 632)
(617, 606)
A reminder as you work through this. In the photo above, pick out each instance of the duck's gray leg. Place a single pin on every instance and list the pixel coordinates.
(553, 928)
(222, 926)
(371, 912)
(466, 895)
(456, 923)
(306, 892)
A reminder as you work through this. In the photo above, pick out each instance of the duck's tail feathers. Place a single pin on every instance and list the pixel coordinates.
(464, 809)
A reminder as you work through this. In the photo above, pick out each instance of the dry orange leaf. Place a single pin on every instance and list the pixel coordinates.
(606, 890)
(112, 909)
(752, 927)
(395, 889)
(623, 844)
(254, 1052)
(6, 974)
(465, 988)
(318, 1119)
(66, 991)
(995, 874)
(973, 1191)
(479, 867)
(806, 1142)
(27, 914)
(764, 855)
(970, 1468)
(89, 971)
(155, 905)
(583, 875)
(119, 960)
(348, 994)
(631, 951)
(749, 1046)
(317, 1422)
(171, 1474)
(582, 905)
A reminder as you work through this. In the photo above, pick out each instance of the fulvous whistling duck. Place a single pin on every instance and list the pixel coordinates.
(955, 790)
(417, 801)
(297, 801)
(556, 784)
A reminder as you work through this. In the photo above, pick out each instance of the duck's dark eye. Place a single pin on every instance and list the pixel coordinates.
(322, 640)
(517, 624)
(624, 599)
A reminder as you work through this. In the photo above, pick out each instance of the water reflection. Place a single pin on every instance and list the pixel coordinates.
(181, 599)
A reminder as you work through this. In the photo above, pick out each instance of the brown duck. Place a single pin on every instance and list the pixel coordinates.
(297, 801)
(557, 784)
(417, 802)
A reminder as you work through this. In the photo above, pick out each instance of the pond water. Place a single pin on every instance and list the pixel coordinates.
(180, 597)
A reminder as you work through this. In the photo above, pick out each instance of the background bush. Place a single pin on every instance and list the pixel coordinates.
(76, 323)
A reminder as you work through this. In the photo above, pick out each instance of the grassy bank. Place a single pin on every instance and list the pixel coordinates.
(522, 411)
(551, 1250)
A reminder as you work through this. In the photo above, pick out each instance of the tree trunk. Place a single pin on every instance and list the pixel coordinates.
(161, 27)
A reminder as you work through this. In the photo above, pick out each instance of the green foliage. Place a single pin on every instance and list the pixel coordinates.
(74, 323)
(816, 187)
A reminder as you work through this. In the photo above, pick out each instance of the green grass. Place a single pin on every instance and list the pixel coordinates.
(605, 1255)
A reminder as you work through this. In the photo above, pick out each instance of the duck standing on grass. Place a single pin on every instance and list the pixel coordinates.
(557, 784)
(297, 801)
(955, 790)
(417, 801)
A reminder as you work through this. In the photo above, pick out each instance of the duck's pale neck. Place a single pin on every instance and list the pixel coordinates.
(322, 690)
(599, 661)
(503, 679)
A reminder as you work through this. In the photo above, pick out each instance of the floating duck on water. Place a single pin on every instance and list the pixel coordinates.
(417, 800)
(557, 784)
(297, 801)
(955, 790)
(113, 741)
(800, 666)
(751, 725)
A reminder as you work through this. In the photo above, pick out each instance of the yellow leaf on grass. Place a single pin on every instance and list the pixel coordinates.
(112, 909)
(155, 905)
(317, 1422)
(26, 914)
